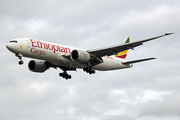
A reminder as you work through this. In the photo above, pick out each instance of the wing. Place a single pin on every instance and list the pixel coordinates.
(119, 48)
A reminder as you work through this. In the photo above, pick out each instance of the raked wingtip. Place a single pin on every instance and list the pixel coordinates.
(169, 33)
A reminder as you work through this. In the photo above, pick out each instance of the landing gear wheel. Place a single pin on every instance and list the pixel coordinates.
(21, 62)
(60, 74)
(89, 70)
(20, 57)
(65, 75)
(69, 76)
(93, 71)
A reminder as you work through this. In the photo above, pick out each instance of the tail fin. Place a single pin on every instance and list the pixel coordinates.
(123, 54)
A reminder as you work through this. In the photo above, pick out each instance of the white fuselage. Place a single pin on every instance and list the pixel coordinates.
(58, 54)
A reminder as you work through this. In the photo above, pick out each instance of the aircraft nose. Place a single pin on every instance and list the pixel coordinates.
(8, 46)
(11, 47)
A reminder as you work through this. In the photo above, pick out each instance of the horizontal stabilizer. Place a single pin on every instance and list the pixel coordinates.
(136, 61)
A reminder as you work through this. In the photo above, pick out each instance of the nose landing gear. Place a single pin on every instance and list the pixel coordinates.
(20, 57)
(21, 62)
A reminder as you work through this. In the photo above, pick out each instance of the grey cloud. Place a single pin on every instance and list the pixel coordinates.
(91, 24)
(168, 107)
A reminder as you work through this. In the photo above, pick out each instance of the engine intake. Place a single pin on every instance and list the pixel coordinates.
(80, 55)
(37, 66)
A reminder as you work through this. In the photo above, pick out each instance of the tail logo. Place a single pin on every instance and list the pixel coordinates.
(123, 54)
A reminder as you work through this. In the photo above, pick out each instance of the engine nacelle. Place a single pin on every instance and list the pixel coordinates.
(80, 55)
(37, 66)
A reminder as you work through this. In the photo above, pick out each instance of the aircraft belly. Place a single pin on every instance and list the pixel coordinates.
(64, 61)
(110, 64)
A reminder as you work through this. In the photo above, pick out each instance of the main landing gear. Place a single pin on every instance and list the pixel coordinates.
(20, 57)
(65, 75)
(89, 70)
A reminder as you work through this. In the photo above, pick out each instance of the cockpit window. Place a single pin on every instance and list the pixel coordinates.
(14, 41)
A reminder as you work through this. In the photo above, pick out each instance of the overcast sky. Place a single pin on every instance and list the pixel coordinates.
(148, 91)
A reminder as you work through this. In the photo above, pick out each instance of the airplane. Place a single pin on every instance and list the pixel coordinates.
(69, 58)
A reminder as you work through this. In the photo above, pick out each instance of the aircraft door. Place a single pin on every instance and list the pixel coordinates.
(28, 43)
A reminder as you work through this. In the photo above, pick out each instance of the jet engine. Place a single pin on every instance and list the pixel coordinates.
(37, 66)
(80, 55)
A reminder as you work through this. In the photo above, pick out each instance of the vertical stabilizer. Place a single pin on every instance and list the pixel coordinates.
(123, 54)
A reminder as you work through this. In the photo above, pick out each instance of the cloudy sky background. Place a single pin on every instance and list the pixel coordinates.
(149, 90)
